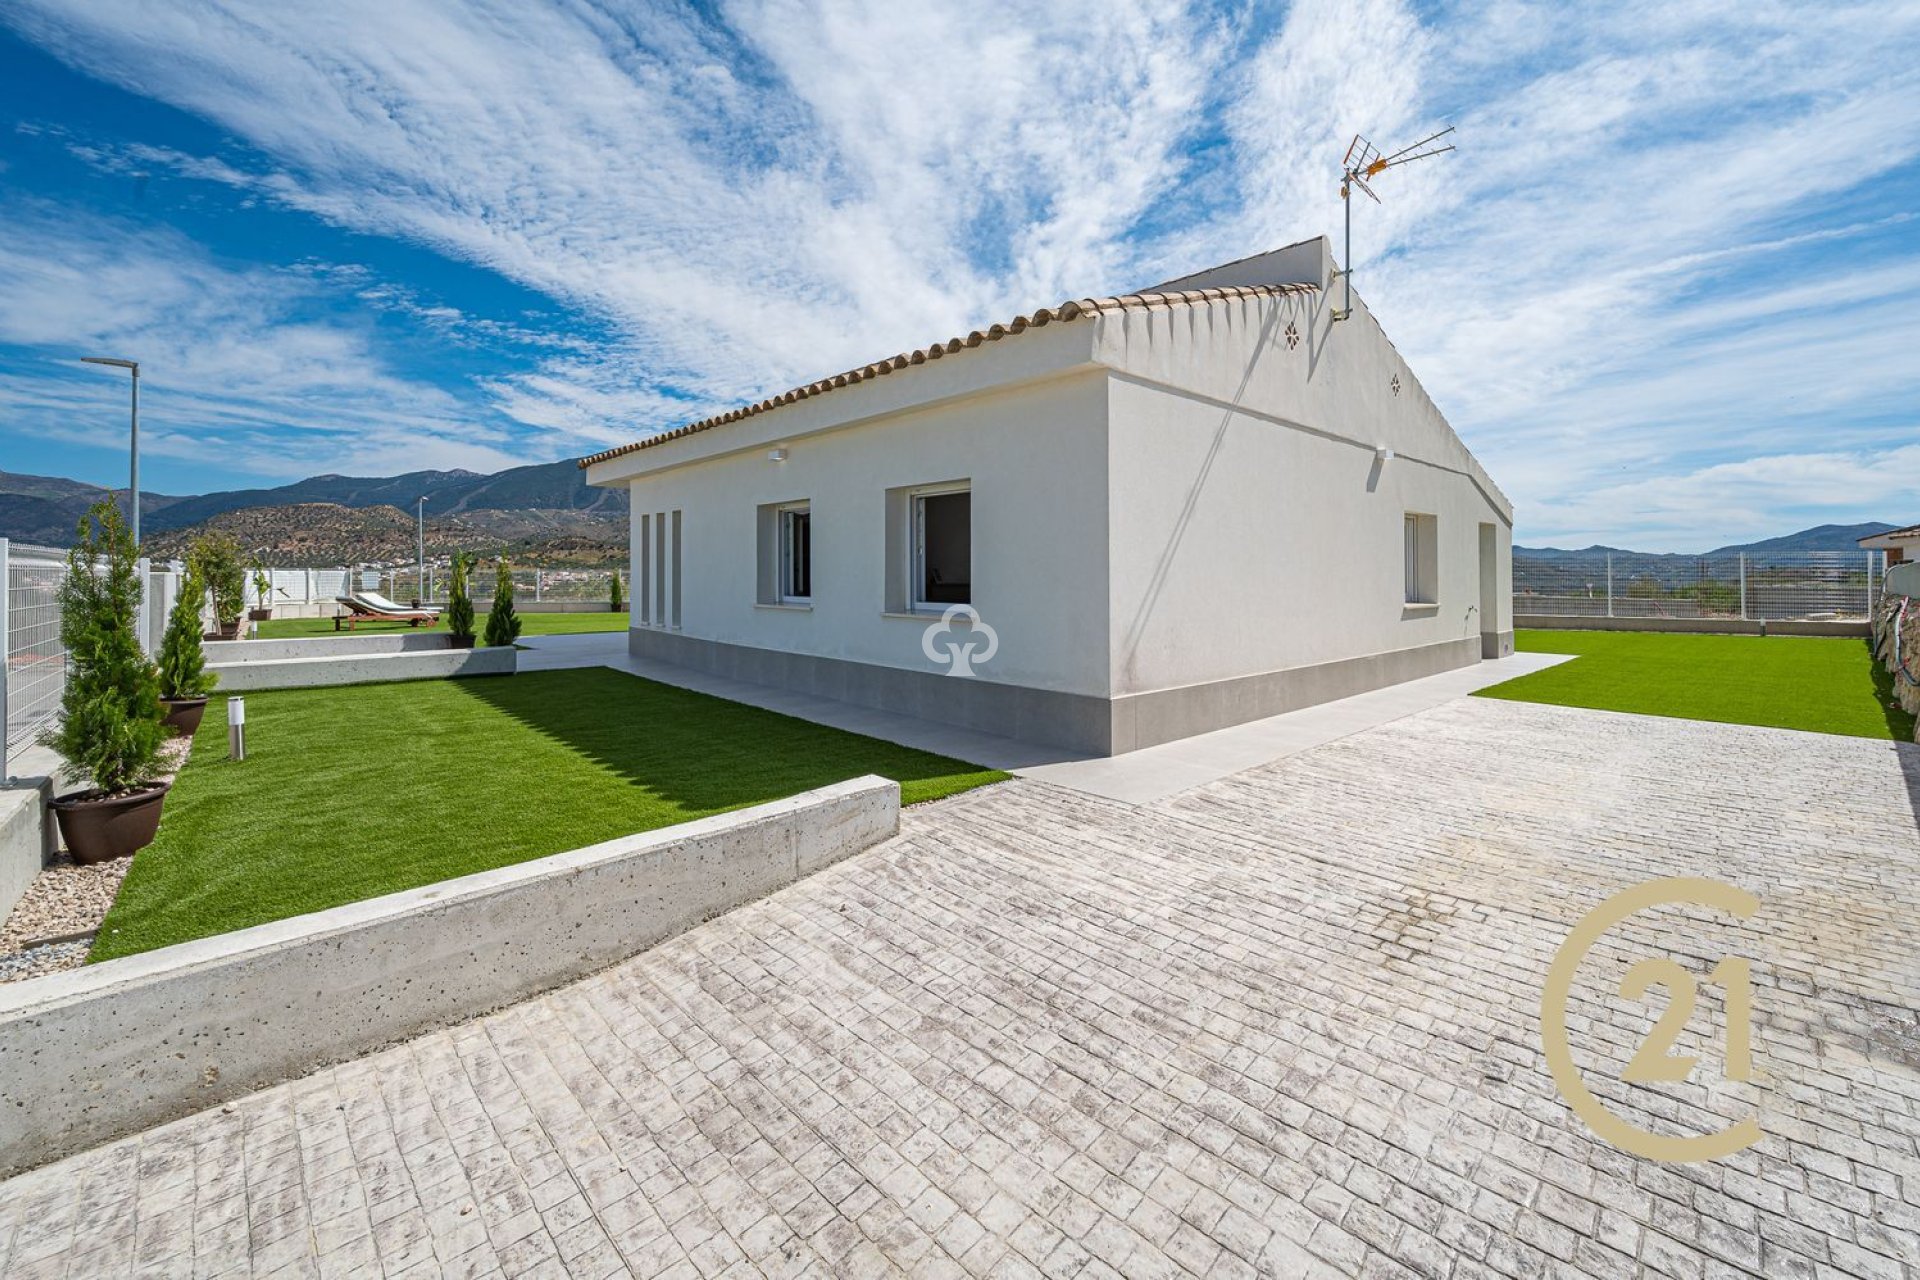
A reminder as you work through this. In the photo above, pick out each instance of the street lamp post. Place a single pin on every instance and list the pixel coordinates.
(132, 366)
(420, 584)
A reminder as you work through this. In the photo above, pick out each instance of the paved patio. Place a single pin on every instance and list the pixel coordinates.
(1284, 1023)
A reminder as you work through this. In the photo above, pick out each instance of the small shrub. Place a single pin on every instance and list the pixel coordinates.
(460, 598)
(503, 624)
(183, 662)
(262, 585)
(215, 558)
(110, 727)
(616, 596)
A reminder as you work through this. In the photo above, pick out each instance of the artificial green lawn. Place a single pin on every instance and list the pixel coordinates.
(347, 793)
(532, 624)
(1782, 682)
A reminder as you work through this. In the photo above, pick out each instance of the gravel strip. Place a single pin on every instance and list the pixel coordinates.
(65, 900)
(36, 962)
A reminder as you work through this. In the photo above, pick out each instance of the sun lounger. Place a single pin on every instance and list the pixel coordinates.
(377, 608)
(385, 605)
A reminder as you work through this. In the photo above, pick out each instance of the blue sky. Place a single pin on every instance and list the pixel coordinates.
(1668, 289)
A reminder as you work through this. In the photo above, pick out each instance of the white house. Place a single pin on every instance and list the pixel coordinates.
(1899, 544)
(1172, 511)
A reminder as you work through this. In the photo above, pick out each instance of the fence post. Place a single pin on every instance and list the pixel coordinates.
(1609, 584)
(1743, 586)
(6, 644)
(536, 586)
(144, 567)
(1869, 587)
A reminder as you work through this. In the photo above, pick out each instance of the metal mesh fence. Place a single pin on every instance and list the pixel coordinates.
(1810, 586)
(36, 670)
(536, 584)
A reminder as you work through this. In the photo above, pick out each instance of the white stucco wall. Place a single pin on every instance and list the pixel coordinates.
(1250, 529)
(1035, 457)
(1162, 497)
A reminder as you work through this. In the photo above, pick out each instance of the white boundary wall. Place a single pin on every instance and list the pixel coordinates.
(94, 1054)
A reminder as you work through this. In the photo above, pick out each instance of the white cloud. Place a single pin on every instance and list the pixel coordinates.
(236, 371)
(1608, 286)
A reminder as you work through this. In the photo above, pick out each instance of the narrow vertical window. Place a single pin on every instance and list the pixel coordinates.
(676, 571)
(660, 568)
(796, 554)
(643, 571)
(1421, 558)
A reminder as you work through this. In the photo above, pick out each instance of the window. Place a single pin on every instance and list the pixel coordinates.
(1422, 558)
(942, 571)
(796, 554)
(783, 571)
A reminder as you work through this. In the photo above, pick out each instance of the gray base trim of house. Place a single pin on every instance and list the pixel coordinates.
(1165, 715)
(1078, 722)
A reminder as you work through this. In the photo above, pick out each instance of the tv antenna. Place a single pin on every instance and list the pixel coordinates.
(1364, 161)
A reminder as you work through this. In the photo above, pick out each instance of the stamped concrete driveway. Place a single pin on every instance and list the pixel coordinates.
(1283, 1024)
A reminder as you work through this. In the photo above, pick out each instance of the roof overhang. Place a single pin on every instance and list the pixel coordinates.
(1052, 342)
(1892, 538)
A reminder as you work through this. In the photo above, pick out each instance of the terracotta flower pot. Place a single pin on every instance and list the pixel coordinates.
(183, 715)
(98, 828)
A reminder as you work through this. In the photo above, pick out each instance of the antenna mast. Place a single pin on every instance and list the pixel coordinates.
(1364, 161)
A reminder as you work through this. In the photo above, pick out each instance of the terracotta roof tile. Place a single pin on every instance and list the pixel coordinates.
(1066, 311)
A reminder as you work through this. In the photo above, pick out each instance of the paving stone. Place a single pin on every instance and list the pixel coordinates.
(1283, 1024)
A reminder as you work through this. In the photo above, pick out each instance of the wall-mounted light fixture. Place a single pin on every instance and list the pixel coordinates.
(776, 455)
(1382, 454)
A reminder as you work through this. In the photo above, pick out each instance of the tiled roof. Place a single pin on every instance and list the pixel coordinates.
(1911, 531)
(1066, 311)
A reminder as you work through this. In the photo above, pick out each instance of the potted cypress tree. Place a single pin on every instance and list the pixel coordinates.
(184, 680)
(616, 598)
(459, 613)
(110, 723)
(503, 624)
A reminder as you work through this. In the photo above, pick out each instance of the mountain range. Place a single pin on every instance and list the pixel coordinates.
(1822, 538)
(543, 511)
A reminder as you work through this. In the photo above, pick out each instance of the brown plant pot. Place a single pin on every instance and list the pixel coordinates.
(460, 642)
(259, 615)
(227, 631)
(183, 715)
(100, 828)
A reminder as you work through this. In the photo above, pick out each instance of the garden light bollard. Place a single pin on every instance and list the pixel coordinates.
(236, 728)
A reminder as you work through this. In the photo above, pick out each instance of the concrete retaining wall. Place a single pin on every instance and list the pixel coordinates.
(26, 836)
(93, 1054)
(29, 838)
(1699, 626)
(368, 668)
(227, 652)
(1849, 630)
